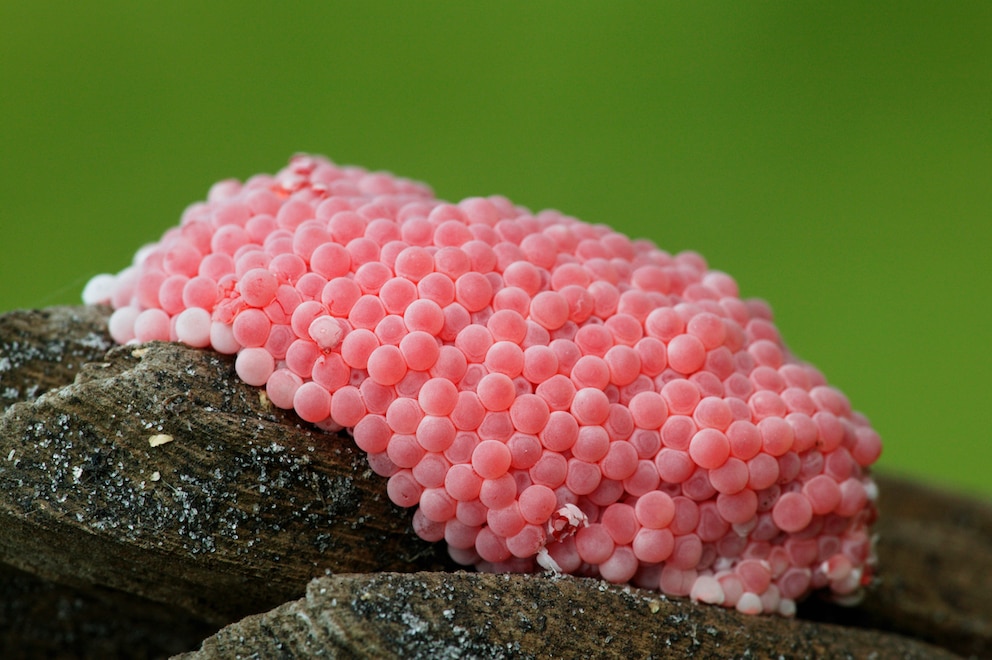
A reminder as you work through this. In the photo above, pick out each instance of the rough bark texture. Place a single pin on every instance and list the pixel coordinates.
(115, 544)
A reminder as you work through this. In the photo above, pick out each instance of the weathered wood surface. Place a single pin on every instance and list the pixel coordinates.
(450, 615)
(142, 550)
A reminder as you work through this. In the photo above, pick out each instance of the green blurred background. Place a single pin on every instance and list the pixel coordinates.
(834, 157)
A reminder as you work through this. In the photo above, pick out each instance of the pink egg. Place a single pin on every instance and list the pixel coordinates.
(534, 385)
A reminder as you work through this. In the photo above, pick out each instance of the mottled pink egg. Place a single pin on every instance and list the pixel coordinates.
(547, 392)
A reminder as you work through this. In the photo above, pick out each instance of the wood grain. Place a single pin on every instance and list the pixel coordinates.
(249, 511)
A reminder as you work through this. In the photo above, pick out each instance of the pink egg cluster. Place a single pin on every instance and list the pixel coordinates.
(545, 391)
